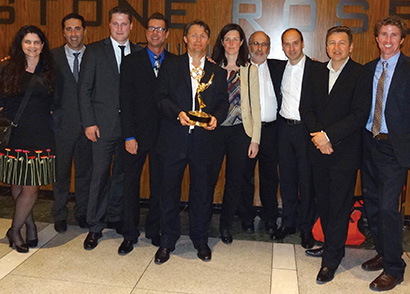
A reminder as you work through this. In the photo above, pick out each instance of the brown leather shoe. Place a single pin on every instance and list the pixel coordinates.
(374, 264)
(385, 282)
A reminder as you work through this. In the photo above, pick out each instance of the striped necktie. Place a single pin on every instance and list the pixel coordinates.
(157, 65)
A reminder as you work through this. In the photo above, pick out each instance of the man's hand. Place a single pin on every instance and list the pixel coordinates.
(92, 133)
(184, 119)
(253, 150)
(212, 124)
(131, 146)
(319, 139)
(326, 149)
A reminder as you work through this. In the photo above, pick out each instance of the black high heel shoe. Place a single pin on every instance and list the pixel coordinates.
(32, 243)
(23, 248)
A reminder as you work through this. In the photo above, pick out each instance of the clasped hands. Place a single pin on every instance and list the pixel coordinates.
(321, 142)
(185, 121)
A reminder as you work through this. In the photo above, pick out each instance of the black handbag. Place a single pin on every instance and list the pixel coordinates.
(6, 125)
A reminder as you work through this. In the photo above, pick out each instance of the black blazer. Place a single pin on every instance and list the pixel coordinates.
(139, 114)
(342, 114)
(174, 94)
(99, 85)
(397, 111)
(66, 114)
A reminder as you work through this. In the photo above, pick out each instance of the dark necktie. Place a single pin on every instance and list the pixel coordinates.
(157, 65)
(122, 47)
(378, 108)
(76, 70)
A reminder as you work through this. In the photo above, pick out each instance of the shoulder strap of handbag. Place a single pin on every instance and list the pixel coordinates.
(24, 101)
(249, 86)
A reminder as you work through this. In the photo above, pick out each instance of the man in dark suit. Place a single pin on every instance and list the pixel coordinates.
(269, 88)
(334, 115)
(100, 114)
(181, 143)
(140, 127)
(68, 131)
(387, 152)
(296, 182)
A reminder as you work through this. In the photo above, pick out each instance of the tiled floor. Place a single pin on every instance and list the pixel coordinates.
(61, 265)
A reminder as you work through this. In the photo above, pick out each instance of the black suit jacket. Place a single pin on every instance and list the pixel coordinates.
(139, 114)
(66, 114)
(341, 114)
(397, 111)
(99, 85)
(174, 94)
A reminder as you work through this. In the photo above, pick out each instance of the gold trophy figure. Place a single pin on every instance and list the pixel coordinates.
(198, 117)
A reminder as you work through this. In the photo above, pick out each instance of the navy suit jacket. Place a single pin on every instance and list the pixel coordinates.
(397, 111)
(139, 114)
(174, 94)
(342, 114)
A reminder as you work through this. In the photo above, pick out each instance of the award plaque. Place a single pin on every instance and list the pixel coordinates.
(199, 117)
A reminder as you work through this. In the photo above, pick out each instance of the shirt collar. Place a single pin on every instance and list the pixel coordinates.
(202, 62)
(262, 65)
(152, 54)
(330, 66)
(300, 64)
(392, 60)
(116, 44)
(71, 52)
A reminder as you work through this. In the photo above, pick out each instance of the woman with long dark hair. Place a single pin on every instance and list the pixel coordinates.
(239, 135)
(28, 161)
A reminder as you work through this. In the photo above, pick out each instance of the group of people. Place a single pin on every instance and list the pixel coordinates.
(111, 104)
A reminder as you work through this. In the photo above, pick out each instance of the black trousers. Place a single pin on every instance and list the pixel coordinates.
(200, 202)
(233, 142)
(68, 146)
(268, 179)
(105, 199)
(296, 182)
(133, 165)
(382, 181)
(335, 198)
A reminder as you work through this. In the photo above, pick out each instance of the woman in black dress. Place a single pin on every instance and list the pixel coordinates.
(28, 161)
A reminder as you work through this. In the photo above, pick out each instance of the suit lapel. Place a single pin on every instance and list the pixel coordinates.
(110, 55)
(399, 72)
(65, 67)
(184, 67)
(146, 62)
(337, 87)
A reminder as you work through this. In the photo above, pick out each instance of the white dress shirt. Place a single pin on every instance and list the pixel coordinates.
(269, 103)
(117, 51)
(194, 82)
(69, 53)
(292, 89)
(333, 75)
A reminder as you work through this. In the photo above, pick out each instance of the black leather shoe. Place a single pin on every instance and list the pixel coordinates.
(385, 282)
(204, 252)
(226, 236)
(82, 221)
(117, 226)
(162, 254)
(156, 240)
(325, 275)
(283, 232)
(92, 240)
(374, 264)
(318, 252)
(248, 228)
(60, 226)
(126, 247)
(307, 240)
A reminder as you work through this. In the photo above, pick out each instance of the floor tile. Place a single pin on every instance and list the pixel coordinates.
(13, 284)
(242, 267)
(349, 276)
(64, 258)
(284, 256)
(284, 281)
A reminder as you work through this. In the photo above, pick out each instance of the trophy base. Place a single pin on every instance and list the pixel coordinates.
(199, 118)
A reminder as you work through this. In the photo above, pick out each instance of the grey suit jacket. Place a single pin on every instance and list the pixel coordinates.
(66, 115)
(99, 85)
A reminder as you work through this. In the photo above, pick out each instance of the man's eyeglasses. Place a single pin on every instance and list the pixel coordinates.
(263, 44)
(158, 29)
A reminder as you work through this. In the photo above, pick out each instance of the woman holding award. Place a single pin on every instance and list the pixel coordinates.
(27, 161)
(239, 135)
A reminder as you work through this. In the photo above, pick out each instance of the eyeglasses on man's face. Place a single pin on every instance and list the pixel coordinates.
(158, 29)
